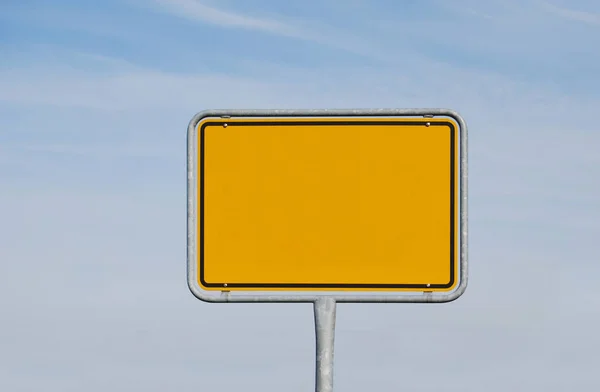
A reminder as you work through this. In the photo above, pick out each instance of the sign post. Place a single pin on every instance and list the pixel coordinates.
(325, 335)
(327, 206)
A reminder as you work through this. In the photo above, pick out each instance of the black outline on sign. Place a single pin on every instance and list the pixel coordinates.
(416, 286)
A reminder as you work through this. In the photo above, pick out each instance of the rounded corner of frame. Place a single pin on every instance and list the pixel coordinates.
(198, 292)
(197, 119)
(457, 293)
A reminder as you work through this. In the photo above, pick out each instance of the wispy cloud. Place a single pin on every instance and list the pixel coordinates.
(138, 150)
(122, 90)
(571, 14)
(326, 34)
(197, 11)
(112, 84)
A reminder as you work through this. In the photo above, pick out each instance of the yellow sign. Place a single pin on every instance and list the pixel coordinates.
(328, 204)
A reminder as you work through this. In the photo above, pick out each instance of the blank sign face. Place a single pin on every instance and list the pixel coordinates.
(355, 204)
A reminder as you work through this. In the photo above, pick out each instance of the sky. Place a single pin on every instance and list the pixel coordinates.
(95, 99)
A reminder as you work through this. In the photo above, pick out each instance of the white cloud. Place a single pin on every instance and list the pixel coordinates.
(110, 84)
(133, 150)
(282, 25)
(196, 10)
(142, 89)
(572, 14)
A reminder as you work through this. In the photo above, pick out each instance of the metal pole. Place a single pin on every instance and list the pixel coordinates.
(324, 308)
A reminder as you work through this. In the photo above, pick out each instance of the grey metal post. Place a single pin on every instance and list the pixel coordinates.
(324, 308)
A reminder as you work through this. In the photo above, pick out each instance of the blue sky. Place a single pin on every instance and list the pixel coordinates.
(94, 105)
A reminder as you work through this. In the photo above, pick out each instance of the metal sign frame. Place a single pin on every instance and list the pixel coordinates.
(419, 296)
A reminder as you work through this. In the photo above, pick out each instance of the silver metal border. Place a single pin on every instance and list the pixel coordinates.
(362, 297)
